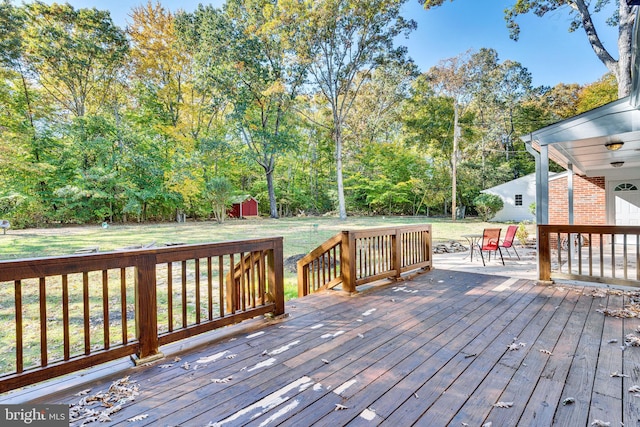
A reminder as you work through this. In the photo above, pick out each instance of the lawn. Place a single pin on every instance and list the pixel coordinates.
(301, 235)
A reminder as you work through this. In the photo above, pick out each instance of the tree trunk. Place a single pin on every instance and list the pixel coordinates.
(454, 161)
(273, 207)
(341, 201)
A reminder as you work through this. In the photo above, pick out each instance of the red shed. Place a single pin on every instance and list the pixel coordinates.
(243, 206)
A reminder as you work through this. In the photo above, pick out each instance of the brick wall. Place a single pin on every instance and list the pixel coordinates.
(589, 201)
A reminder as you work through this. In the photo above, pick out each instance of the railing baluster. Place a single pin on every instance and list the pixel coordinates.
(601, 255)
(590, 254)
(105, 308)
(637, 256)
(625, 255)
(85, 301)
(65, 318)
(221, 296)
(210, 288)
(170, 295)
(123, 304)
(197, 273)
(613, 256)
(19, 329)
(579, 253)
(43, 322)
(559, 242)
(183, 275)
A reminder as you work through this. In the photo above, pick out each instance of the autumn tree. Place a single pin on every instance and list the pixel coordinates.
(248, 52)
(581, 14)
(350, 39)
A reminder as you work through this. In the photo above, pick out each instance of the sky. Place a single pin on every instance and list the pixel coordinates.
(546, 48)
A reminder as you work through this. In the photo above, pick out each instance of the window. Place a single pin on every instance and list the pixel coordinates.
(518, 199)
(626, 187)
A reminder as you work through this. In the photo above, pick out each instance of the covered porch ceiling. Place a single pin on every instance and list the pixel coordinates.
(582, 141)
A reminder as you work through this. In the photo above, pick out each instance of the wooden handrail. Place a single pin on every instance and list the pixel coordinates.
(356, 257)
(596, 253)
(93, 308)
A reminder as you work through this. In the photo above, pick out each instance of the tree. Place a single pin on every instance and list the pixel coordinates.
(581, 13)
(487, 205)
(219, 192)
(451, 79)
(350, 39)
(248, 51)
(597, 93)
(74, 54)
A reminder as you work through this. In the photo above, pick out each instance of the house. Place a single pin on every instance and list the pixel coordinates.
(517, 195)
(243, 206)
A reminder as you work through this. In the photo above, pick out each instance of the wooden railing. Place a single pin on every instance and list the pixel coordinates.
(62, 314)
(597, 253)
(357, 257)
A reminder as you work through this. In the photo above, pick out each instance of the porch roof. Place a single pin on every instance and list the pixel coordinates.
(581, 140)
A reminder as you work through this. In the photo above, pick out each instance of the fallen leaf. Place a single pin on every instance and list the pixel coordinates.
(489, 424)
(634, 389)
(632, 340)
(221, 380)
(513, 347)
(176, 359)
(600, 423)
(83, 392)
(503, 404)
(186, 366)
(546, 352)
(361, 335)
(612, 341)
(340, 407)
(618, 375)
(569, 401)
(165, 366)
(324, 361)
(231, 356)
(138, 418)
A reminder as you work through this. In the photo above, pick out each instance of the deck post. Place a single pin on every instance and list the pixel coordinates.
(276, 276)
(396, 253)
(348, 262)
(146, 310)
(544, 255)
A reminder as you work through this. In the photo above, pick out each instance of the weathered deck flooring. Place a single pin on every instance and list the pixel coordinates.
(429, 352)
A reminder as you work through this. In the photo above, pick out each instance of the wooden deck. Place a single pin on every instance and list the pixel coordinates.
(432, 351)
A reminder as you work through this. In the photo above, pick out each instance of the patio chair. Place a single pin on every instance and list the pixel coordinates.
(508, 240)
(490, 243)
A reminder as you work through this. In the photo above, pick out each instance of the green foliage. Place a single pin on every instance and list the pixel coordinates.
(532, 208)
(219, 193)
(487, 205)
(522, 234)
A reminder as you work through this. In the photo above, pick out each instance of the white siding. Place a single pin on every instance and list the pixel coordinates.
(525, 186)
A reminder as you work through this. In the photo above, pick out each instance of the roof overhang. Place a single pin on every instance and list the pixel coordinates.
(581, 140)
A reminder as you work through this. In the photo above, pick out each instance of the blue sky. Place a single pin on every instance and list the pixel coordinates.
(546, 48)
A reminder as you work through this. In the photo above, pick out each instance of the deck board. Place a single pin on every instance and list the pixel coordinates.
(428, 351)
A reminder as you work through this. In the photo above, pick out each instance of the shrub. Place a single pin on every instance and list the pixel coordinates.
(522, 234)
(487, 205)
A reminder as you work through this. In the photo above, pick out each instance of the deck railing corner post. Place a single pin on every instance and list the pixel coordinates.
(276, 271)
(146, 310)
(348, 262)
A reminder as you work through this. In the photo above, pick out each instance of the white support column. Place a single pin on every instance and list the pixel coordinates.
(543, 207)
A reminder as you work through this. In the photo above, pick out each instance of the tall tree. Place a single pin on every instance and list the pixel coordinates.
(248, 52)
(451, 79)
(350, 39)
(74, 54)
(581, 16)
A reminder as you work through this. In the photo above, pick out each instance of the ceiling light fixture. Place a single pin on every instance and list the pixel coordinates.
(613, 146)
(617, 164)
